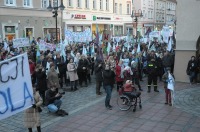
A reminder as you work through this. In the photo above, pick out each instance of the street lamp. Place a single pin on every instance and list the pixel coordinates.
(54, 10)
(135, 14)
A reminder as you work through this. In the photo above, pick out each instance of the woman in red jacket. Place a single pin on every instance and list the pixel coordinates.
(119, 75)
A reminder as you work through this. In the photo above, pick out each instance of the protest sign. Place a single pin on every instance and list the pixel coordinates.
(21, 42)
(154, 34)
(16, 92)
(106, 36)
(84, 36)
(43, 46)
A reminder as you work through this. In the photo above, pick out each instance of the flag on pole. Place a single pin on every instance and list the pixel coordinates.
(169, 46)
(37, 54)
(138, 48)
(108, 48)
(84, 50)
(170, 86)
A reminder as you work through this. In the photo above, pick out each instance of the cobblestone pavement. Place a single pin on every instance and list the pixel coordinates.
(88, 113)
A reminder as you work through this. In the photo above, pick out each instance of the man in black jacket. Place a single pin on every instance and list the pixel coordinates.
(152, 75)
(98, 68)
(53, 101)
(82, 69)
(192, 69)
(108, 82)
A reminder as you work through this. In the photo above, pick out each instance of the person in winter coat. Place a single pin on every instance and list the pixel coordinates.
(108, 81)
(41, 81)
(167, 60)
(192, 69)
(98, 69)
(54, 102)
(82, 70)
(32, 115)
(72, 73)
(62, 67)
(52, 76)
(119, 75)
(165, 79)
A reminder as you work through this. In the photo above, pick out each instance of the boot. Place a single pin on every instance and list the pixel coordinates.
(149, 89)
(39, 129)
(30, 129)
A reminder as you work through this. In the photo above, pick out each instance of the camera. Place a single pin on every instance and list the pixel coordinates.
(61, 93)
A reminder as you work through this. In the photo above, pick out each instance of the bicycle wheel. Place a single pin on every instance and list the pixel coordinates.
(124, 102)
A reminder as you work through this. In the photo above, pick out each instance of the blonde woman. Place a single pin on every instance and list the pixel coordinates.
(32, 115)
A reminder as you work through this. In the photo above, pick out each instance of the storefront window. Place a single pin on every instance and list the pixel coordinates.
(50, 34)
(79, 29)
(10, 32)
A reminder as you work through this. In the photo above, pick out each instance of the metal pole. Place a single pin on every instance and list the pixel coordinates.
(136, 28)
(56, 29)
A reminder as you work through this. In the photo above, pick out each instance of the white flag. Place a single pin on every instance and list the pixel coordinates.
(171, 82)
(169, 47)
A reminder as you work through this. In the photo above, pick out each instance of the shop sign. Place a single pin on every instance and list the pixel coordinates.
(118, 18)
(103, 18)
(78, 16)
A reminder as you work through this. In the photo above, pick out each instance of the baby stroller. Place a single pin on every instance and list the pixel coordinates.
(126, 99)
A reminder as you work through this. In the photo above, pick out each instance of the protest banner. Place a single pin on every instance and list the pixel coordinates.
(43, 46)
(16, 92)
(21, 42)
(154, 34)
(84, 36)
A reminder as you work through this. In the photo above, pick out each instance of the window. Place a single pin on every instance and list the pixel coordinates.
(101, 4)
(120, 9)
(128, 9)
(10, 2)
(45, 3)
(115, 11)
(27, 3)
(86, 4)
(107, 5)
(79, 3)
(69, 3)
(94, 4)
(149, 15)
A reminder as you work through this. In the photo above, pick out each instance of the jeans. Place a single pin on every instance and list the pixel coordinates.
(108, 90)
(192, 76)
(55, 106)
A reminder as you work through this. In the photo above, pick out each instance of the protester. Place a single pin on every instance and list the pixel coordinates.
(82, 70)
(166, 80)
(98, 68)
(41, 81)
(108, 81)
(52, 76)
(32, 114)
(119, 75)
(72, 73)
(53, 101)
(192, 69)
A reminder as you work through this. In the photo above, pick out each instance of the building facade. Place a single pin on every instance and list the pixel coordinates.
(188, 36)
(165, 13)
(27, 18)
(107, 14)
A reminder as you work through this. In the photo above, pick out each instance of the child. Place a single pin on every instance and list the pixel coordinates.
(167, 91)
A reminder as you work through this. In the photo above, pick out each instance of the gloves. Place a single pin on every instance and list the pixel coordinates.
(34, 106)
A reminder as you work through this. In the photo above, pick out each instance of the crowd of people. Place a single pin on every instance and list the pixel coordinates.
(52, 71)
